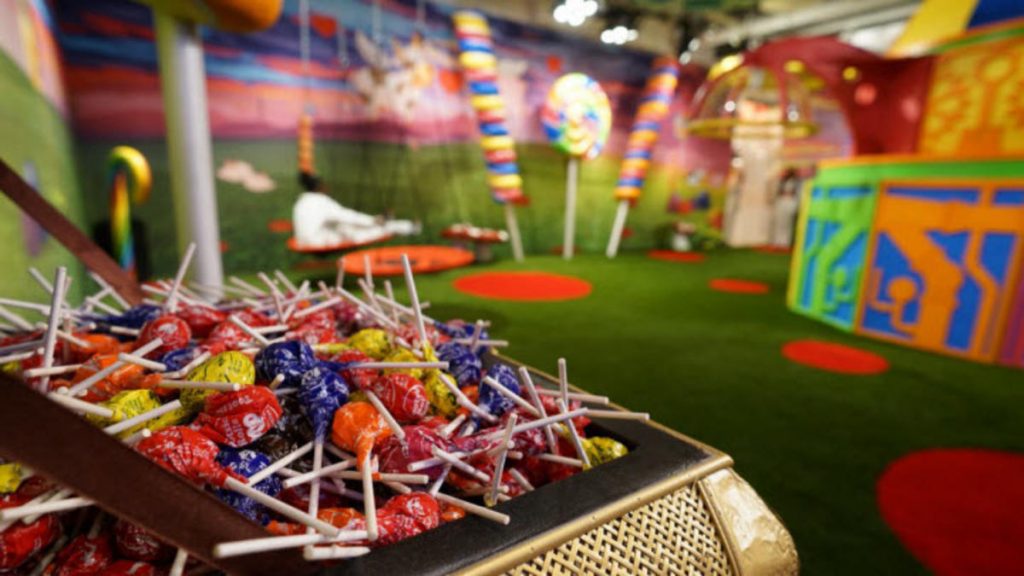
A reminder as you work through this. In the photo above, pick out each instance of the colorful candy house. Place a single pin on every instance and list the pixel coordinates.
(917, 238)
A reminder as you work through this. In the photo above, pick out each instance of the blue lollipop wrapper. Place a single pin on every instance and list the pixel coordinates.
(490, 399)
(177, 359)
(462, 363)
(292, 358)
(247, 462)
(321, 392)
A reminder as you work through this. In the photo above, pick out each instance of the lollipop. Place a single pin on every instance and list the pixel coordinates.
(321, 393)
(84, 555)
(577, 119)
(357, 426)
(238, 418)
(403, 395)
(463, 364)
(479, 66)
(129, 180)
(247, 463)
(134, 542)
(654, 105)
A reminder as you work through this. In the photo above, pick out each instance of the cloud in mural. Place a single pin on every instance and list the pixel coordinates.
(393, 82)
(242, 173)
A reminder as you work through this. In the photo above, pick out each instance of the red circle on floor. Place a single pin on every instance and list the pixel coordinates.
(958, 511)
(833, 357)
(738, 286)
(671, 256)
(523, 286)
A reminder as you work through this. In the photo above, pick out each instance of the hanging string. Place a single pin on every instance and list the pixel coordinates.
(304, 44)
(421, 18)
(343, 61)
(375, 23)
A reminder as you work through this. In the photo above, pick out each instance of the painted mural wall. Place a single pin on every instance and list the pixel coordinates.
(35, 141)
(393, 127)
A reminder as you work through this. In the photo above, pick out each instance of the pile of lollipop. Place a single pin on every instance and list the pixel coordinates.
(340, 423)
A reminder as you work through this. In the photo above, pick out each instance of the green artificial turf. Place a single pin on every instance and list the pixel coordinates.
(653, 336)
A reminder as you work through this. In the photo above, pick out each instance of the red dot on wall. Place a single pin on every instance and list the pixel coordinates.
(865, 94)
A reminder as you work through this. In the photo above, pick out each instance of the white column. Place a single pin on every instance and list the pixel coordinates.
(183, 82)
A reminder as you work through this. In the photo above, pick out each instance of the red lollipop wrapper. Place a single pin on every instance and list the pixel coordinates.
(239, 418)
(322, 319)
(225, 336)
(22, 541)
(174, 332)
(136, 543)
(200, 319)
(403, 395)
(84, 556)
(419, 440)
(128, 568)
(186, 452)
(406, 516)
(314, 335)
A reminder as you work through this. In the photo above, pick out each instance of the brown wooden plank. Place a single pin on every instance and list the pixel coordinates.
(35, 205)
(66, 448)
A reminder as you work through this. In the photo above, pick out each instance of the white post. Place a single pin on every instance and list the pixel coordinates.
(513, 232)
(617, 226)
(183, 83)
(572, 179)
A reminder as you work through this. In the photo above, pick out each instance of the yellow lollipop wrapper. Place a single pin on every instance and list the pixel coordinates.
(230, 366)
(10, 477)
(372, 341)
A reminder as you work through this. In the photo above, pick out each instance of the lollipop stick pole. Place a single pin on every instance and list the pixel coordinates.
(280, 507)
(572, 179)
(513, 232)
(617, 226)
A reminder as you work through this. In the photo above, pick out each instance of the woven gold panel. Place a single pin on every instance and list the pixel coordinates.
(675, 534)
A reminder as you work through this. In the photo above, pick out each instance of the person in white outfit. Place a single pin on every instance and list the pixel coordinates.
(319, 221)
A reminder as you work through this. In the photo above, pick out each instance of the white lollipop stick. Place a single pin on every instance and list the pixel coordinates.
(575, 462)
(333, 301)
(280, 507)
(40, 279)
(369, 500)
(617, 226)
(389, 290)
(314, 489)
(254, 291)
(474, 509)
(482, 342)
(563, 380)
(410, 284)
(284, 280)
(279, 464)
(171, 305)
(81, 405)
(123, 330)
(16, 320)
(313, 554)
(249, 330)
(52, 496)
(524, 377)
(368, 271)
(189, 385)
(543, 422)
(511, 396)
(393, 424)
(398, 365)
(575, 437)
(436, 486)
(317, 472)
(575, 396)
(456, 462)
(271, 543)
(19, 356)
(113, 293)
(384, 477)
(178, 566)
(474, 341)
(36, 372)
(452, 426)
(368, 309)
(499, 470)
(53, 323)
(10, 514)
(139, 361)
(521, 480)
(464, 400)
(618, 415)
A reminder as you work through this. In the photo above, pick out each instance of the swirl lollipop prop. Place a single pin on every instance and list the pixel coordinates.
(657, 96)
(476, 56)
(577, 119)
(129, 180)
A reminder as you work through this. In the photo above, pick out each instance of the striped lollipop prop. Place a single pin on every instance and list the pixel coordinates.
(129, 180)
(479, 67)
(577, 119)
(654, 105)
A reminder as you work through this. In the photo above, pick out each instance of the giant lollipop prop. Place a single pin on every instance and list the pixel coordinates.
(577, 119)
(661, 87)
(479, 67)
(129, 180)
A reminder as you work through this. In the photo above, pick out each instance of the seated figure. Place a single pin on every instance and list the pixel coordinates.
(319, 221)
